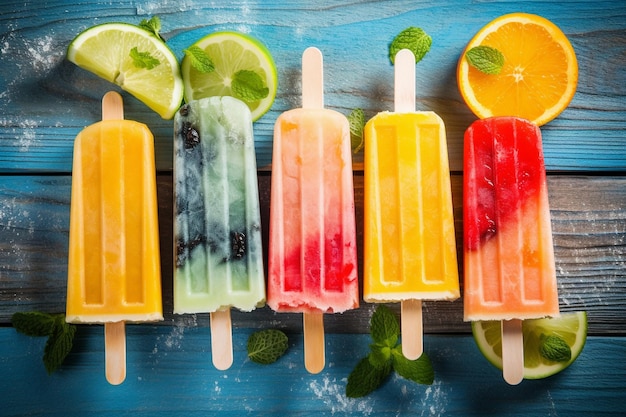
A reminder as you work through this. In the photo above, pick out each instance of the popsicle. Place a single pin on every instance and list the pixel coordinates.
(409, 242)
(114, 271)
(217, 228)
(312, 247)
(508, 254)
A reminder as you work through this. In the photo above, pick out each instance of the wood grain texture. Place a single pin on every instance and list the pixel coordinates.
(588, 220)
(46, 100)
(170, 374)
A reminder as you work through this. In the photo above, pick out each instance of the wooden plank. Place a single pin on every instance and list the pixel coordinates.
(46, 100)
(170, 372)
(588, 218)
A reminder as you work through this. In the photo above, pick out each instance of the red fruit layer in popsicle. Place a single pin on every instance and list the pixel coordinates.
(504, 166)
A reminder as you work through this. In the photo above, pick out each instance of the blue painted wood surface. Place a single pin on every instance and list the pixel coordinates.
(170, 374)
(45, 101)
(61, 99)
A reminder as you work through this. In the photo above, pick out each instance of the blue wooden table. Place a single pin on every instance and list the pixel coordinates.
(45, 101)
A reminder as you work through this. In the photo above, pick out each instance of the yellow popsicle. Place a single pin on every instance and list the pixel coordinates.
(409, 248)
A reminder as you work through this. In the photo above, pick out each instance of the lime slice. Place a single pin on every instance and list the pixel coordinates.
(571, 327)
(230, 53)
(107, 51)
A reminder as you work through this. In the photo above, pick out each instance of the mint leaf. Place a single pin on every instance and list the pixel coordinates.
(385, 356)
(356, 118)
(248, 86)
(266, 346)
(554, 348)
(60, 334)
(485, 59)
(384, 327)
(153, 26)
(412, 38)
(199, 59)
(33, 323)
(379, 355)
(143, 59)
(59, 344)
(365, 378)
(419, 370)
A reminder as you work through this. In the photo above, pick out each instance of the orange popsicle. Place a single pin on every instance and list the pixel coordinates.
(509, 257)
(114, 261)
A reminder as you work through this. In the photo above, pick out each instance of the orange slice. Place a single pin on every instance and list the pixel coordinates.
(539, 76)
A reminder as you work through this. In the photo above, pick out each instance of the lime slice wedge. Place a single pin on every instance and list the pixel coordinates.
(570, 327)
(111, 51)
(231, 52)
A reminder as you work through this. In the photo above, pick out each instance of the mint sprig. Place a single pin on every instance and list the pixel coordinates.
(356, 119)
(266, 346)
(60, 335)
(485, 59)
(412, 38)
(386, 355)
(199, 59)
(554, 348)
(153, 26)
(248, 86)
(143, 59)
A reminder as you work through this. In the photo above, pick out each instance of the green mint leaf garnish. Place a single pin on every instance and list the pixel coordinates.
(485, 59)
(419, 370)
(380, 355)
(59, 344)
(554, 348)
(365, 378)
(60, 335)
(386, 355)
(248, 86)
(33, 323)
(356, 118)
(153, 26)
(384, 327)
(266, 346)
(199, 59)
(143, 59)
(412, 38)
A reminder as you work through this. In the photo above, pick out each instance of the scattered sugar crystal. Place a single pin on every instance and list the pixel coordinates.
(333, 396)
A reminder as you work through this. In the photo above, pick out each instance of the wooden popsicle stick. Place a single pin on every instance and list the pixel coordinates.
(221, 339)
(404, 82)
(312, 79)
(112, 106)
(512, 351)
(404, 102)
(314, 349)
(114, 333)
(412, 329)
(115, 352)
(313, 98)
